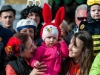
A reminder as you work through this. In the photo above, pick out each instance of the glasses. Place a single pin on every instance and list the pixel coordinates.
(82, 18)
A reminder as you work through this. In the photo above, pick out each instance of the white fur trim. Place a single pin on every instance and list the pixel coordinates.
(50, 30)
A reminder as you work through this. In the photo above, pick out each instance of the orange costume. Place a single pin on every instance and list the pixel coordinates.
(74, 69)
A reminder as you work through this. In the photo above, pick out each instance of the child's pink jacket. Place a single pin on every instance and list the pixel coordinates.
(52, 56)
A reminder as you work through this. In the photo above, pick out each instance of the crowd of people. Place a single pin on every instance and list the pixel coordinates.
(42, 46)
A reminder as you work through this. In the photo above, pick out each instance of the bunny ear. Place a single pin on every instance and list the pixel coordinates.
(47, 14)
(59, 16)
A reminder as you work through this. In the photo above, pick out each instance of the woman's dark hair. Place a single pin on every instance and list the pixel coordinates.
(30, 9)
(35, 9)
(23, 38)
(86, 56)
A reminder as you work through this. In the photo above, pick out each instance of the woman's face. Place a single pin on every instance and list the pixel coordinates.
(35, 17)
(75, 51)
(29, 31)
(29, 50)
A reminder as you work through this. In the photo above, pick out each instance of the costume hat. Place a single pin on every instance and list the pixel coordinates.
(26, 23)
(91, 2)
(49, 28)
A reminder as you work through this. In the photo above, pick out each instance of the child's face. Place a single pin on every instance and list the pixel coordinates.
(50, 41)
(95, 11)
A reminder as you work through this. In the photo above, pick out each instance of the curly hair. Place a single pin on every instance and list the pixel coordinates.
(30, 9)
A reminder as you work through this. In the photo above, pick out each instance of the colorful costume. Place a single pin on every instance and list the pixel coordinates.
(52, 56)
(92, 26)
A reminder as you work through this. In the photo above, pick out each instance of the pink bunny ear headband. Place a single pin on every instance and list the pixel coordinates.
(49, 28)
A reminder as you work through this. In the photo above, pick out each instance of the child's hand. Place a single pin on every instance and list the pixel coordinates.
(60, 39)
(37, 64)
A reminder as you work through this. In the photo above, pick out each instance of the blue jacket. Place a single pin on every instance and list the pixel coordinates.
(5, 34)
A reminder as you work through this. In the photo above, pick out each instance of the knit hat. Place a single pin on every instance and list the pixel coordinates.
(13, 45)
(91, 2)
(26, 23)
(49, 28)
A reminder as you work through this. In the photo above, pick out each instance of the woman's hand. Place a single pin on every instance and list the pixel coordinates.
(40, 70)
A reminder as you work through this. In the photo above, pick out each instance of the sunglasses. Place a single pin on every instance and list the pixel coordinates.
(82, 18)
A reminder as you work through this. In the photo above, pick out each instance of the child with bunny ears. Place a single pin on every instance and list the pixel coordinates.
(54, 48)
